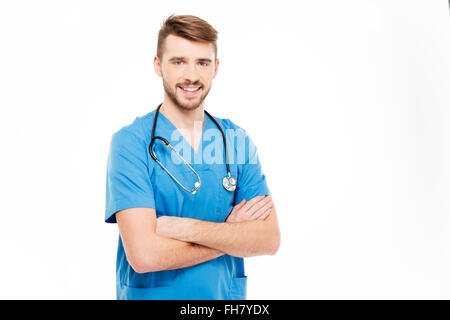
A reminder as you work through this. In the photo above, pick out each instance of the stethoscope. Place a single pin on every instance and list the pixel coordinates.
(228, 182)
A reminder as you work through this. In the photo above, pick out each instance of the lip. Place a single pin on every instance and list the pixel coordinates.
(189, 93)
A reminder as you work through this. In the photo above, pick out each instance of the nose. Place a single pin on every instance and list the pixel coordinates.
(191, 73)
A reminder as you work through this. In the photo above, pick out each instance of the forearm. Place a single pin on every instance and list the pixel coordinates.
(168, 254)
(241, 239)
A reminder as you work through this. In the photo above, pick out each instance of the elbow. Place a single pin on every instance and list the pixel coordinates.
(140, 267)
(140, 264)
(144, 267)
(269, 248)
(274, 244)
(145, 256)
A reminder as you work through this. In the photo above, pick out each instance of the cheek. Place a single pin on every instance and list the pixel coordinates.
(208, 77)
(206, 80)
(171, 75)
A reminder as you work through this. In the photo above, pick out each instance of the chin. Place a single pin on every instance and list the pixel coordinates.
(189, 105)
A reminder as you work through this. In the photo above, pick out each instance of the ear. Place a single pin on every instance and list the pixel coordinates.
(157, 66)
(216, 67)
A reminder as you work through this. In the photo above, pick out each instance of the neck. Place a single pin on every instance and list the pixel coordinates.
(182, 118)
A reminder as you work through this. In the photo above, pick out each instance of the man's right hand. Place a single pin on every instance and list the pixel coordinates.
(257, 208)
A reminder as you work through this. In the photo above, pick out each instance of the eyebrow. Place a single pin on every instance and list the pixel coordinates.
(183, 58)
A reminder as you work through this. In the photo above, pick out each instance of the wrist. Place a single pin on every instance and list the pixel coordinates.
(183, 229)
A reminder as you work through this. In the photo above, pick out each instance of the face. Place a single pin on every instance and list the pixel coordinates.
(187, 69)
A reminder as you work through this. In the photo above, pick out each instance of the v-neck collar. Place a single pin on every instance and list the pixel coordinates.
(206, 125)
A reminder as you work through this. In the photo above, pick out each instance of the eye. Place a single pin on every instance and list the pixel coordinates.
(203, 64)
(178, 62)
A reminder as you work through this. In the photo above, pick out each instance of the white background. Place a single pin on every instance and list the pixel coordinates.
(347, 101)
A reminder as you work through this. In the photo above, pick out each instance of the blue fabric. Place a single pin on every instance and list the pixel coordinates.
(135, 180)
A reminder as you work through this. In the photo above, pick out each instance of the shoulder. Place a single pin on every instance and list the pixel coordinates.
(139, 130)
(129, 145)
(132, 140)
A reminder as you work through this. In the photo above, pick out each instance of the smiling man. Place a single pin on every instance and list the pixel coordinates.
(185, 226)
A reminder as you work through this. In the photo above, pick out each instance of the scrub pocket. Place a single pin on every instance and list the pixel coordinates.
(148, 286)
(155, 293)
(238, 288)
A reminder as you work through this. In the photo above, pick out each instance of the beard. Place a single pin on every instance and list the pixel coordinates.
(187, 106)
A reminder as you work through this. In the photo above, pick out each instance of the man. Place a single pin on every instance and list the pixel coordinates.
(176, 244)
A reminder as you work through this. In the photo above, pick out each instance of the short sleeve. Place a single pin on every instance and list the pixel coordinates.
(251, 179)
(128, 182)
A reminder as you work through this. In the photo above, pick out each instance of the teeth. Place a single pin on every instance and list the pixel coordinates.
(191, 89)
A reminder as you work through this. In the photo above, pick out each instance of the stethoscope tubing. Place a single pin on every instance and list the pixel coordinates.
(167, 144)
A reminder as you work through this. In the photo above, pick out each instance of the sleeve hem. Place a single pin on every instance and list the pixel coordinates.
(250, 193)
(118, 205)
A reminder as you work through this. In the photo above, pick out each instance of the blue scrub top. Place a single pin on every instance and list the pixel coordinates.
(134, 179)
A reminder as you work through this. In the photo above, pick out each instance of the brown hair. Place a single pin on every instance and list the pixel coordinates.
(189, 27)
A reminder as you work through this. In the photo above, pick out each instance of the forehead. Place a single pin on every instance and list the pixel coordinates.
(180, 47)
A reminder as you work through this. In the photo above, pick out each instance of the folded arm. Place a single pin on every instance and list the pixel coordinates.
(240, 239)
(148, 252)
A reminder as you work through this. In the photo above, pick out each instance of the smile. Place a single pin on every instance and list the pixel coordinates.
(190, 90)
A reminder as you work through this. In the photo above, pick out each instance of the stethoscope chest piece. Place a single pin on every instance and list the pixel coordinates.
(229, 183)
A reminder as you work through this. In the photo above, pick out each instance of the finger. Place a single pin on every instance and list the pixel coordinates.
(233, 211)
(240, 205)
(257, 206)
(250, 203)
(265, 215)
(261, 211)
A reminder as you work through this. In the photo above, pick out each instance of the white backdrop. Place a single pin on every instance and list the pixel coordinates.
(348, 102)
